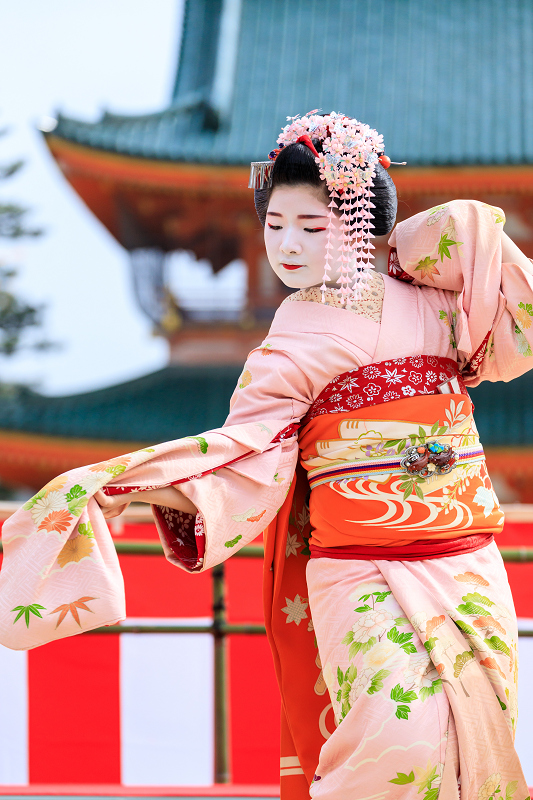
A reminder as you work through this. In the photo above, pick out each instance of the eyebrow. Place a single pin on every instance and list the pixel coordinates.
(300, 216)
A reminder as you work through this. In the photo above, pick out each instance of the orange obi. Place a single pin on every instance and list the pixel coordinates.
(414, 466)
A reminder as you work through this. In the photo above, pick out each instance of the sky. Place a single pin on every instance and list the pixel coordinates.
(80, 57)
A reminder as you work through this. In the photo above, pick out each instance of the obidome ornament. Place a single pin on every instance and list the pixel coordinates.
(347, 163)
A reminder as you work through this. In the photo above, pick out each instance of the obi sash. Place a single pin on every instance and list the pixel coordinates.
(387, 381)
(399, 438)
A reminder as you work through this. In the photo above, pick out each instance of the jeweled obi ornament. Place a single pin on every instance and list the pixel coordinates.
(347, 163)
(432, 458)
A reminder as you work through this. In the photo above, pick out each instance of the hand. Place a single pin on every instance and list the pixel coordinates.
(168, 496)
(111, 505)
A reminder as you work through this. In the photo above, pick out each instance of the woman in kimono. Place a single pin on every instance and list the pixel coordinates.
(351, 444)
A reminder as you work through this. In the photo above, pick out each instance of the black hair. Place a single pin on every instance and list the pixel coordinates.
(296, 166)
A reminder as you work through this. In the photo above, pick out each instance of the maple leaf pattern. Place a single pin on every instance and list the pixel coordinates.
(426, 268)
(295, 610)
(291, 548)
(73, 607)
(447, 240)
(393, 376)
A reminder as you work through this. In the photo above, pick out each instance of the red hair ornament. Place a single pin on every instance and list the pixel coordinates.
(386, 162)
(308, 143)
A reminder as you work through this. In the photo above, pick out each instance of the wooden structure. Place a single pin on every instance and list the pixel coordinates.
(177, 179)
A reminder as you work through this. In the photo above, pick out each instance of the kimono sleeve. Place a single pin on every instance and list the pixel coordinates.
(236, 502)
(456, 247)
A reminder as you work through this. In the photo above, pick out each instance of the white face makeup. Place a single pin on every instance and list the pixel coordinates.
(296, 236)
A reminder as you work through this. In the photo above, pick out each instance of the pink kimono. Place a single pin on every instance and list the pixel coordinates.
(410, 684)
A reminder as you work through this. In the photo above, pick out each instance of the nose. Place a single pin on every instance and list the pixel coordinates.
(290, 244)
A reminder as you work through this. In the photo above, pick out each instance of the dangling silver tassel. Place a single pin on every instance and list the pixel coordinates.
(260, 174)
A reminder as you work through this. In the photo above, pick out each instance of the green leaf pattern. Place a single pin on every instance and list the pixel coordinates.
(25, 611)
(202, 444)
(408, 663)
(232, 542)
(380, 639)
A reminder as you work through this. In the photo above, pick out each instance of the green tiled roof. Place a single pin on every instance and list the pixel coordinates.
(180, 401)
(445, 82)
(159, 407)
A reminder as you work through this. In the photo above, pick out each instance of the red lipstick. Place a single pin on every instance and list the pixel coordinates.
(292, 266)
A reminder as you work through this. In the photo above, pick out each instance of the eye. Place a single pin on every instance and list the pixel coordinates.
(314, 230)
(274, 227)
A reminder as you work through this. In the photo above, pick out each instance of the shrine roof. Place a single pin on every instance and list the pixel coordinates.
(446, 83)
(161, 406)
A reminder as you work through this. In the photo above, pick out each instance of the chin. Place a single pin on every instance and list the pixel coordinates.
(294, 280)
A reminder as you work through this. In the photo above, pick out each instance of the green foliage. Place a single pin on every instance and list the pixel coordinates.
(429, 691)
(16, 316)
(232, 542)
(75, 492)
(502, 704)
(75, 507)
(376, 682)
(402, 778)
(472, 609)
(412, 485)
(116, 470)
(403, 639)
(86, 529)
(361, 647)
(476, 597)
(511, 788)
(402, 712)
(495, 643)
(400, 695)
(401, 621)
(461, 661)
(380, 597)
(430, 643)
(34, 608)
(202, 444)
(444, 246)
(465, 628)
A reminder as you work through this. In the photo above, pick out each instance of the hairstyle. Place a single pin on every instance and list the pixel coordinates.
(296, 166)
